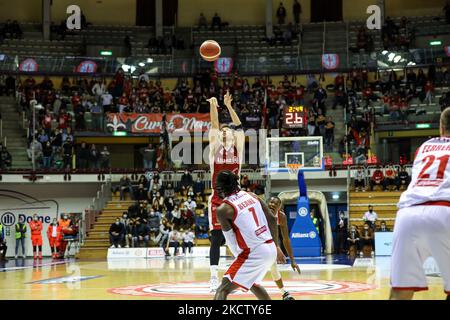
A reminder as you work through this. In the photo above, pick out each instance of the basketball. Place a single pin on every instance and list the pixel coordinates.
(210, 50)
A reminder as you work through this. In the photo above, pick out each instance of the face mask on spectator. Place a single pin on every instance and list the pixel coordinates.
(370, 210)
(125, 216)
(117, 222)
(65, 217)
(366, 228)
(353, 229)
(35, 218)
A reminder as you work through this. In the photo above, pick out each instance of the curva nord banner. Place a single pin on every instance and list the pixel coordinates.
(152, 122)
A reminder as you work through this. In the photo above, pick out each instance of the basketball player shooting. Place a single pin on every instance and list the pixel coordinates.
(251, 233)
(226, 150)
(422, 225)
(275, 206)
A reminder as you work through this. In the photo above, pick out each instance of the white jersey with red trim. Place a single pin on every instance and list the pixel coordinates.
(249, 220)
(430, 180)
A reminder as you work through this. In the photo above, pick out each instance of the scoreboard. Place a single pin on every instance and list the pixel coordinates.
(294, 117)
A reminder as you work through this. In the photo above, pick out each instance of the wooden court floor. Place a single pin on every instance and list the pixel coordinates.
(325, 278)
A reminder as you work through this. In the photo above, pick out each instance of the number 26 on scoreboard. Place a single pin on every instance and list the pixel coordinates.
(294, 118)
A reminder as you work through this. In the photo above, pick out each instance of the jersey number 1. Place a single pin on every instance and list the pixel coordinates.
(443, 161)
(253, 212)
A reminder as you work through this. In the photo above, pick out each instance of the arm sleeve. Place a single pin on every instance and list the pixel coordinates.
(230, 238)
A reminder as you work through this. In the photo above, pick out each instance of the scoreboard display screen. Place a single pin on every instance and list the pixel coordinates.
(294, 117)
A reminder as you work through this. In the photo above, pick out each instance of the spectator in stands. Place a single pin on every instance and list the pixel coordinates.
(125, 185)
(67, 149)
(37, 151)
(83, 156)
(97, 116)
(187, 218)
(281, 13)
(47, 153)
(116, 233)
(154, 220)
(94, 157)
(190, 204)
(390, 177)
(169, 191)
(186, 182)
(202, 22)
(176, 216)
(367, 237)
(429, 92)
(342, 231)
(383, 227)
(377, 178)
(446, 10)
(245, 183)
(320, 123)
(329, 134)
(297, 10)
(188, 241)
(216, 22)
(142, 233)
(149, 156)
(141, 193)
(370, 217)
(10, 85)
(202, 225)
(125, 220)
(403, 179)
(199, 189)
(107, 102)
(360, 180)
(104, 158)
(353, 238)
(5, 158)
(175, 238)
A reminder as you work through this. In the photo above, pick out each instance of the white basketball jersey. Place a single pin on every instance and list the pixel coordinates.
(249, 221)
(430, 180)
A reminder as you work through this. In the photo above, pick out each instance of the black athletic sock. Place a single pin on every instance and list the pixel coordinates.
(448, 297)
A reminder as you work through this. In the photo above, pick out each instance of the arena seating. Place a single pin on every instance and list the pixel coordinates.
(384, 204)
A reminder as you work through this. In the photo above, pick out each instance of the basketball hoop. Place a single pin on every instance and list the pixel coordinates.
(293, 169)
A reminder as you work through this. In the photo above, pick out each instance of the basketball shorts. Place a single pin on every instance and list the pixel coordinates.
(36, 240)
(251, 265)
(54, 242)
(420, 232)
(214, 202)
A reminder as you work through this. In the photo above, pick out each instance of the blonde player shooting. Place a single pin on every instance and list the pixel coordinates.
(275, 206)
(226, 152)
(422, 225)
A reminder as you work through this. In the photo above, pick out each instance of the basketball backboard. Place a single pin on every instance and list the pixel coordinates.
(306, 151)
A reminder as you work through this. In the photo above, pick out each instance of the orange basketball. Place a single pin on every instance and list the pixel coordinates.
(210, 50)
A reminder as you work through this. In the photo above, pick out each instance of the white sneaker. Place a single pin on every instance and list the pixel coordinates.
(16, 256)
(361, 254)
(119, 246)
(213, 284)
(112, 247)
(372, 253)
(127, 246)
(24, 256)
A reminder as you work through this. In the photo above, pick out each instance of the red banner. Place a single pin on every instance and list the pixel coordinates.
(152, 122)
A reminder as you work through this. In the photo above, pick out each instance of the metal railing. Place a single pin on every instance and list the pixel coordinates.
(98, 203)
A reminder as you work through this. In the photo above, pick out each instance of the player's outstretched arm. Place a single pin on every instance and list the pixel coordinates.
(214, 113)
(225, 215)
(227, 99)
(287, 240)
(272, 221)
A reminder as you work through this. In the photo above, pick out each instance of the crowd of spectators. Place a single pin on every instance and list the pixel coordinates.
(162, 215)
(385, 178)
(364, 41)
(10, 30)
(397, 37)
(216, 22)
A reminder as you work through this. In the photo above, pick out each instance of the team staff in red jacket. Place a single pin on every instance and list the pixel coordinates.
(36, 237)
(53, 235)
